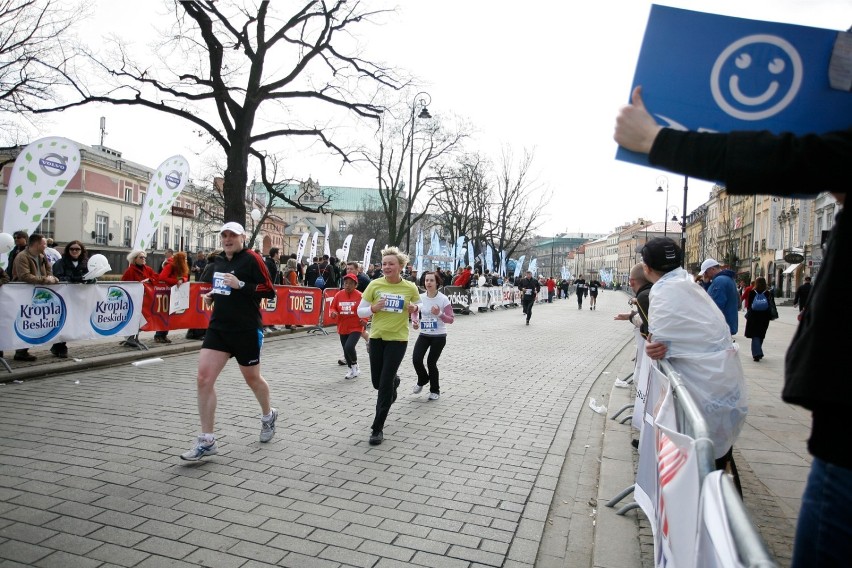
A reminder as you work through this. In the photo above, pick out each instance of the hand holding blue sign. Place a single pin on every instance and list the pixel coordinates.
(635, 128)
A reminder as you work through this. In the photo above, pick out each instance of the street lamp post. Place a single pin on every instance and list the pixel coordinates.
(424, 101)
(663, 180)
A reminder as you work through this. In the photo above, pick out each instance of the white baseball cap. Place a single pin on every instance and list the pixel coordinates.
(707, 264)
(234, 227)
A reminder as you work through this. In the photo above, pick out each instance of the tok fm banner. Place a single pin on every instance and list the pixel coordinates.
(35, 315)
(292, 305)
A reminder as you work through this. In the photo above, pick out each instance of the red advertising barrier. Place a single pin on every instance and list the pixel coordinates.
(292, 305)
(327, 296)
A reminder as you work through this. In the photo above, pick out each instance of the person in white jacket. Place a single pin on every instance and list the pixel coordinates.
(686, 327)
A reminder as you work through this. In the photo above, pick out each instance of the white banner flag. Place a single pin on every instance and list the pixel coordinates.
(470, 258)
(346, 244)
(38, 315)
(519, 265)
(40, 174)
(313, 252)
(489, 258)
(502, 264)
(300, 250)
(165, 185)
(368, 251)
(326, 246)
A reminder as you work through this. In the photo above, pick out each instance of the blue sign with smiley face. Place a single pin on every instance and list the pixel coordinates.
(715, 73)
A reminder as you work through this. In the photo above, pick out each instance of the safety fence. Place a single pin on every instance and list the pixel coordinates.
(696, 514)
(73, 312)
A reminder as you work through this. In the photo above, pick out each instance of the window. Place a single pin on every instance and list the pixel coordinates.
(178, 244)
(101, 229)
(165, 237)
(128, 195)
(154, 239)
(341, 225)
(141, 198)
(186, 240)
(128, 231)
(47, 227)
(199, 240)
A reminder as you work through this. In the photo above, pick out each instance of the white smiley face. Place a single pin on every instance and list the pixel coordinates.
(756, 77)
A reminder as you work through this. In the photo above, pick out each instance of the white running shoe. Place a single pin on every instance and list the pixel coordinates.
(417, 389)
(355, 371)
(349, 374)
(201, 448)
(434, 396)
(267, 427)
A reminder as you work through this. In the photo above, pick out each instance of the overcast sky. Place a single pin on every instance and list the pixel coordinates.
(547, 75)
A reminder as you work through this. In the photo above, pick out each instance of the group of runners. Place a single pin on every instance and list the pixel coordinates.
(390, 303)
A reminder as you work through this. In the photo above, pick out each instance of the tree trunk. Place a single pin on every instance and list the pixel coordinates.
(235, 183)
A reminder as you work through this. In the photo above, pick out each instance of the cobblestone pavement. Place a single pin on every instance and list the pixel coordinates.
(89, 473)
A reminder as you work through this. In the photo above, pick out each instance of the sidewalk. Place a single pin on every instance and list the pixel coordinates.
(771, 456)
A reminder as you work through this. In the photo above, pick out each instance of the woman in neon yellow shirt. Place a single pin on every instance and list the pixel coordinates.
(388, 300)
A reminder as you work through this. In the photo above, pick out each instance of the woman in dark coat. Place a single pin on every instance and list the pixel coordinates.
(757, 321)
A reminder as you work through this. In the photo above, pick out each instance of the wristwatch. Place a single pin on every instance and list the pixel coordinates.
(242, 284)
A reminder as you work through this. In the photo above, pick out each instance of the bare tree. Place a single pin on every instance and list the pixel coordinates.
(464, 200)
(245, 75)
(31, 51)
(518, 204)
(434, 144)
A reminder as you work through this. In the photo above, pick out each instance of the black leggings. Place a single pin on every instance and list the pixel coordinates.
(385, 359)
(435, 344)
(349, 342)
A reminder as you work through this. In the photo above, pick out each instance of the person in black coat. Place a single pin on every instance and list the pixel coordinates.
(802, 293)
(72, 267)
(758, 317)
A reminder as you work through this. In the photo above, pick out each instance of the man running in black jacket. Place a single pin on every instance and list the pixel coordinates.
(240, 280)
(529, 288)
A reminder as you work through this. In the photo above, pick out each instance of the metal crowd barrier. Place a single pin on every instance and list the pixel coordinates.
(749, 544)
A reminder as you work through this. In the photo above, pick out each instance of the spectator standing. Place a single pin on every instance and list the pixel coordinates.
(198, 265)
(758, 315)
(435, 313)
(803, 292)
(312, 272)
(234, 331)
(4, 279)
(21, 239)
(388, 300)
(168, 257)
(137, 271)
(72, 267)
(291, 273)
(816, 365)
(686, 327)
(551, 289)
(642, 288)
(723, 290)
(32, 267)
(746, 291)
(174, 273)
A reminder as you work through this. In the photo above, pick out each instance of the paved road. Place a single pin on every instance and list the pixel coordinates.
(89, 474)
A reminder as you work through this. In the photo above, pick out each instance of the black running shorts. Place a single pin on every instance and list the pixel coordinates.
(244, 345)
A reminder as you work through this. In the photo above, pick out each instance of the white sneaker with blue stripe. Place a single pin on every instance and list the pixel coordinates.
(202, 448)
